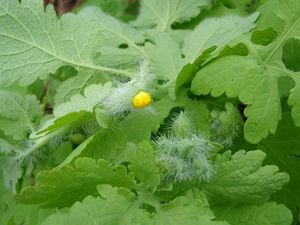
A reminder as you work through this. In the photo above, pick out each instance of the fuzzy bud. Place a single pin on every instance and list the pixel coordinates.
(185, 158)
(182, 124)
(225, 125)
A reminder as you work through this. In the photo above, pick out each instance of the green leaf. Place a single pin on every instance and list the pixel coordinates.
(30, 215)
(93, 95)
(74, 113)
(64, 186)
(108, 142)
(241, 179)
(102, 118)
(63, 124)
(35, 43)
(6, 203)
(120, 206)
(254, 78)
(165, 55)
(18, 113)
(208, 40)
(6, 147)
(190, 209)
(256, 87)
(113, 206)
(77, 85)
(267, 213)
(142, 164)
(189, 70)
(216, 32)
(283, 150)
(162, 14)
(11, 171)
(113, 35)
(91, 159)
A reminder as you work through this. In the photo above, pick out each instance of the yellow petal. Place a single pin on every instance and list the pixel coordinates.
(141, 99)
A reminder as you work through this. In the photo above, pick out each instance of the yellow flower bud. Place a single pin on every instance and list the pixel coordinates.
(141, 99)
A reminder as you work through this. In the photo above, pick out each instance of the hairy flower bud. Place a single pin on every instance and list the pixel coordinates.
(182, 124)
(225, 125)
(185, 158)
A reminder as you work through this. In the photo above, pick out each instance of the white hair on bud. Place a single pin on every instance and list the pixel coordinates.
(121, 96)
(144, 78)
(182, 124)
(225, 125)
(185, 158)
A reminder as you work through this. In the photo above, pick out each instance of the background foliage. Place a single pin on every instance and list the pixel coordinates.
(218, 144)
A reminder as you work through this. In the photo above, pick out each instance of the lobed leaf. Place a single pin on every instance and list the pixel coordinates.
(241, 179)
(35, 43)
(120, 206)
(254, 78)
(64, 186)
(216, 32)
(239, 76)
(266, 213)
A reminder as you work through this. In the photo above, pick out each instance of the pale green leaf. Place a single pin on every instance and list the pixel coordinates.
(113, 206)
(165, 55)
(76, 85)
(93, 95)
(18, 113)
(6, 203)
(216, 32)
(163, 13)
(11, 172)
(118, 47)
(30, 215)
(79, 110)
(120, 206)
(63, 124)
(189, 70)
(241, 179)
(35, 43)
(190, 209)
(121, 57)
(102, 118)
(141, 159)
(267, 213)
(6, 147)
(113, 34)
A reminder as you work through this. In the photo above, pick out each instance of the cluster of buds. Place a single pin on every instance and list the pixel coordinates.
(184, 154)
